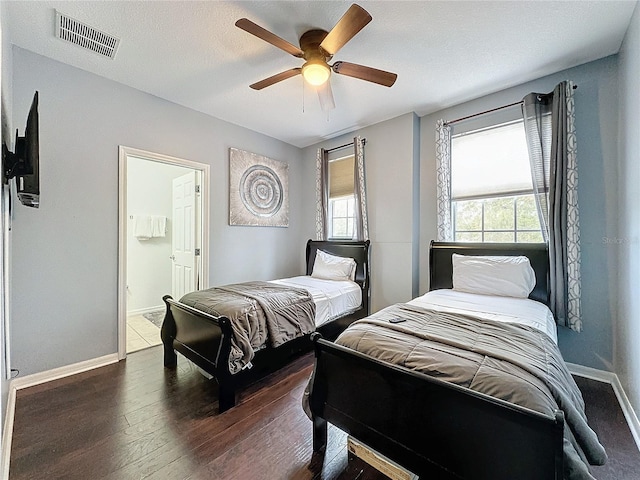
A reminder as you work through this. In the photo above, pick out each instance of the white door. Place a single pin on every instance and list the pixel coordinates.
(184, 269)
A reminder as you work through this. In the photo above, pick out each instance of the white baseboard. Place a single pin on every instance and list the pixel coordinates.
(7, 433)
(592, 373)
(61, 372)
(36, 379)
(621, 395)
(142, 311)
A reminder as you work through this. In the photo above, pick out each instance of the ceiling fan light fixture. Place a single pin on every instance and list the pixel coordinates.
(317, 48)
(316, 72)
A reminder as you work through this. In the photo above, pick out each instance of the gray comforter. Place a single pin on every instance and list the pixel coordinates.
(515, 363)
(261, 313)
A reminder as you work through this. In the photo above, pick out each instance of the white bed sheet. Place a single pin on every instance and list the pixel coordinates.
(333, 298)
(502, 309)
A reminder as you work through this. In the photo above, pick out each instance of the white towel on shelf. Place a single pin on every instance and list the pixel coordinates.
(142, 227)
(158, 225)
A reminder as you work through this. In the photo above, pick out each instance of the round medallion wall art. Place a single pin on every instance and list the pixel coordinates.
(261, 191)
(258, 190)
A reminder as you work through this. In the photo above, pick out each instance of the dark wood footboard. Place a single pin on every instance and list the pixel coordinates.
(203, 339)
(433, 428)
(206, 341)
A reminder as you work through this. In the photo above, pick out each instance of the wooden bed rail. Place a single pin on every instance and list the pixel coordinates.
(433, 428)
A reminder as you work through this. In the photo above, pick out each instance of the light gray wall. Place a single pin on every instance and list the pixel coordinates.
(5, 136)
(596, 129)
(627, 332)
(389, 167)
(415, 254)
(64, 255)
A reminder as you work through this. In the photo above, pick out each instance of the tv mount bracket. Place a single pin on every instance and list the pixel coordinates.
(14, 165)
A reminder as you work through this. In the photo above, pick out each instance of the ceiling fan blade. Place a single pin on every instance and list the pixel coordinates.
(325, 94)
(365, 73)
(254, 29)
(347, 27)
(278, 77)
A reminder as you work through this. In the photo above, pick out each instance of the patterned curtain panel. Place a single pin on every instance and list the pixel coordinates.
(573, 215)
(362, 224)
(443, 181)
(322, 193)
(550, 126)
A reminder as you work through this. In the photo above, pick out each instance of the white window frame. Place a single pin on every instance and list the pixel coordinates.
(350, 218)
(482, 231)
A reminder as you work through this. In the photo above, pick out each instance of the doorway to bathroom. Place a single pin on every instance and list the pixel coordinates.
(163, 244)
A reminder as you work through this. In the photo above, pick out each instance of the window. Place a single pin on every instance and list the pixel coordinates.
(491, 190)
(342, 224)
(342, 215)
(341, 200)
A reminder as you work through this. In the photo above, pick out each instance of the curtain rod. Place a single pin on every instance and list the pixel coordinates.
(488, 111)
(364, 141)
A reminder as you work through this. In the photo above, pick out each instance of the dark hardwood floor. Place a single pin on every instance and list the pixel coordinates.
(136, 420)
(606, 418)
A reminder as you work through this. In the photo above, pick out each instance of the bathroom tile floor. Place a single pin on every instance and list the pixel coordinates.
(141, 333)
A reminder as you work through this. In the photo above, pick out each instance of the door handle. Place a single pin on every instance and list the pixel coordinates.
(172, 257)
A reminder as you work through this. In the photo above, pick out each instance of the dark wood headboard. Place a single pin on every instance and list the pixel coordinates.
(441, 268)
(359, 251)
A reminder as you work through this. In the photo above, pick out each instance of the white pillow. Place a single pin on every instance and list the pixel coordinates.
(493, 275)
(332, 267)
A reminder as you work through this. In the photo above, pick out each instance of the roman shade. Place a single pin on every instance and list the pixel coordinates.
(341, 177)
(491, 162)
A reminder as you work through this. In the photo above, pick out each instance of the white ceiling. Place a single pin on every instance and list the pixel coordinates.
(444, 52)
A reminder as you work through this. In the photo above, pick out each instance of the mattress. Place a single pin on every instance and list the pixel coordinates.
(521, 311)
(333, 298)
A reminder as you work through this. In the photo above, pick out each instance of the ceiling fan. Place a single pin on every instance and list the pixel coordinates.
(317, 48)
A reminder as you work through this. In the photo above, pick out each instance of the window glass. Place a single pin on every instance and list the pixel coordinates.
(527, 213)
(505, 237)
(469, 237)
(499, 214)
(530, 237)
(468, 215)
(341, 218)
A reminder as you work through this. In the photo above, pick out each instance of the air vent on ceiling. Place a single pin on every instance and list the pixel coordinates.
(85, 36)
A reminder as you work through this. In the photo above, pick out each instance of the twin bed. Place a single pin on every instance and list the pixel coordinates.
(238, 333)
(461, 383)
(454, 384)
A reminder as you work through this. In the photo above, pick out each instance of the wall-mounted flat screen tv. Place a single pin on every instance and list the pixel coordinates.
(23, 163)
